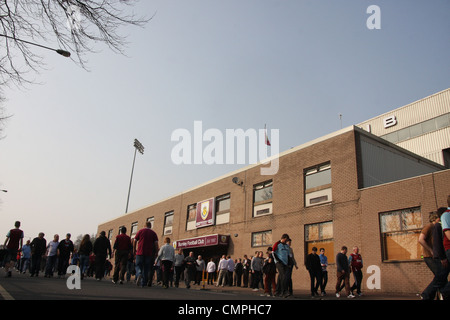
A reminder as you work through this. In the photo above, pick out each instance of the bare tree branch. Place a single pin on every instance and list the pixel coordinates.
(72, 25)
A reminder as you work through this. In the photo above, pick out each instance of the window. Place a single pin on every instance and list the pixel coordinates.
(393, 136)
(318, 184)
(404, 134)
(400, 232)
(446, 156)
(320, 235)
(110, 234)
(191, 216)
(134, 229)
(260, 239)
(418, 129)
(223, 204)
(168, 223)
(262, 198)
(443, 121)
(415, 130)
(318, 176)
(428, 126)
(152, 221)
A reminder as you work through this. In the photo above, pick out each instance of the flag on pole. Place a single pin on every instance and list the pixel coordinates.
(265, 135)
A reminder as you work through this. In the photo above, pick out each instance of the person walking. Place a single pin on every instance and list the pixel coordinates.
(442, 279)
(269, 271)
(280, 251)
(256, 269)
(314, 268)
(145, 247)
(121, 251)
(84, 252)
(200, 268)
(238, 270)
(38, 248)
(223, 270)
(166, 257)
(26, 257)
(101, 250)
(356, 264)
(434, 257)
(324, 265)
(52, 255)
(211, 270)
(13, 244)
(230, 267)
(190, 269)
(178, 266)
(343, 273)
(65, 249)
(246, 271)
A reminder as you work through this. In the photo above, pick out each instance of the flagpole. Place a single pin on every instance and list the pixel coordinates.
(267, 142)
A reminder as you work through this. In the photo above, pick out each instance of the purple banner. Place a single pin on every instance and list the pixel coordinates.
(205, 241)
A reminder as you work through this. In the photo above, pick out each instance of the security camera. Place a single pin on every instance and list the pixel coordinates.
(237, 181)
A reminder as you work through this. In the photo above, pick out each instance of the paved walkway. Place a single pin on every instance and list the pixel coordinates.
(245, 292)
(305, 294)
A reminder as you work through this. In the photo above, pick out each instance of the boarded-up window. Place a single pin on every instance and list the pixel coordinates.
(320, 235)
(400, 232)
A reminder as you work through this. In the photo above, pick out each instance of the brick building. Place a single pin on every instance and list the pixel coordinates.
(347, 188)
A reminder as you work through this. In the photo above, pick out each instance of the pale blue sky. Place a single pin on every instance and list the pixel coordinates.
(293, 64)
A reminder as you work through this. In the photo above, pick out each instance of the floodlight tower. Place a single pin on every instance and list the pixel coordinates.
(137, 147)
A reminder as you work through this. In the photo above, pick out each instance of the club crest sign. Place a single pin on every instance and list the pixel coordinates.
(205, 213)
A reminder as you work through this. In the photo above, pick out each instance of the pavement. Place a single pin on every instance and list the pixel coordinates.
(209, 301)
(9, 289)
(306, 295)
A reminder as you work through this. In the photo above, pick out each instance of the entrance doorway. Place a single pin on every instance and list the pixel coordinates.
(214, 252)
(212, 246)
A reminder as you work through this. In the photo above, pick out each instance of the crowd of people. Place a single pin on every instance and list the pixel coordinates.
(270, 271)
(38, 256)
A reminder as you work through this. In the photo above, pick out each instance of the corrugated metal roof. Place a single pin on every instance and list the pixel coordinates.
(410, 114)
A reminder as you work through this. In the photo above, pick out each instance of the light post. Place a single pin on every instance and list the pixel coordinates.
(59, 51)
(138, 147)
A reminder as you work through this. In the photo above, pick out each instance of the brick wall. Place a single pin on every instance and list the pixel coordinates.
(355, 213)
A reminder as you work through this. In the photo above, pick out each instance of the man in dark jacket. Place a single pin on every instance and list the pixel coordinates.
(190, 268)
(246, 271)
(65, 248)
(314, 267)
(238, 270)
(38, 248)
(102, 248)
(343, 273)
(439, 260)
